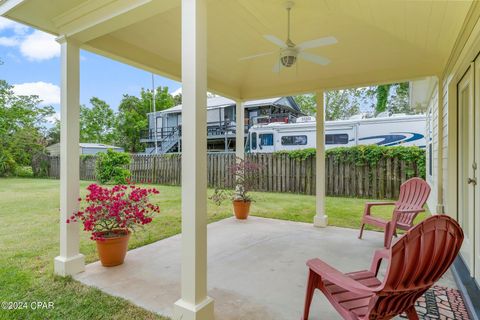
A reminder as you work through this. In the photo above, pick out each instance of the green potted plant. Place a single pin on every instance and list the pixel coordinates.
(245, 173)
(111, 214)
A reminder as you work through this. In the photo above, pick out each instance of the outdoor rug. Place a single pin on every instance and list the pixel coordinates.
(441, 303)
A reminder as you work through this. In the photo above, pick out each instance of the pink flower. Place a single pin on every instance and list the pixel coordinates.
(119, 207)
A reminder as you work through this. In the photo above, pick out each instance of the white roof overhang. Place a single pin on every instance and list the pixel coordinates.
(378, 41)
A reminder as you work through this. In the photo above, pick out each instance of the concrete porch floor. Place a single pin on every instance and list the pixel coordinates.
(256, 268)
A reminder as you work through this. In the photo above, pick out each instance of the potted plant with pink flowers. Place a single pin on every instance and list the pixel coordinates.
(112, 214)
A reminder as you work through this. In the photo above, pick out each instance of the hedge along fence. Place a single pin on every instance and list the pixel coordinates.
(362, 171)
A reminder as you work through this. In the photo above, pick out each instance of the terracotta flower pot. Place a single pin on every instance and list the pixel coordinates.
(112, 250)
(241, 209)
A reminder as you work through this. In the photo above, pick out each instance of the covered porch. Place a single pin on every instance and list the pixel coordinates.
(256, 268)
(202, 43)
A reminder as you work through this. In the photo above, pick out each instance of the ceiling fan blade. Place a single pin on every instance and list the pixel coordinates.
(314, 58)
(275, 40)
(277, 67)
(257, 56)
(326, 41)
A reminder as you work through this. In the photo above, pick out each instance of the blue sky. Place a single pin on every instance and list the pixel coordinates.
(31, 62)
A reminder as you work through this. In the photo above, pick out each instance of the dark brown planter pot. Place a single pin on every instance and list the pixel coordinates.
(112, 251)
(241, 209)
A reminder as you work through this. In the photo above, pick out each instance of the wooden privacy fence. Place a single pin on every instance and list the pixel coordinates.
(279, 173)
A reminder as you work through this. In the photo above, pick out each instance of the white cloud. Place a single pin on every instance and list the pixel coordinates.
(178, 91)
(54, 117)
(49, 93)
(35, 46)
(9, 41)
(6, 24)
(39, 46)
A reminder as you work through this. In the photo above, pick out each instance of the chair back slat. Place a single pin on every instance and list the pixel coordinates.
(417, 261)
(413, 195)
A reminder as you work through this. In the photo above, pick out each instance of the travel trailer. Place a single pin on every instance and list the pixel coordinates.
(395, 130)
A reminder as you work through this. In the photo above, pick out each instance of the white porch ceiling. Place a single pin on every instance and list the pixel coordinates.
(379, 41)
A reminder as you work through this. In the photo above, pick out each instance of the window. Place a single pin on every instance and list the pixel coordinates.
(294, 140)
(341, 138)
(266, 139)
(254, 141)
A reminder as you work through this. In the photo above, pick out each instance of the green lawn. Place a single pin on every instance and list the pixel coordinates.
(29, 240)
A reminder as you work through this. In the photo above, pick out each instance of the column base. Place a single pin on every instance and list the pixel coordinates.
(186, 311)
(320, 221)
(69, 266)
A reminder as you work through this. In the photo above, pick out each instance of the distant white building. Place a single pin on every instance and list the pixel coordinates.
(85, 148)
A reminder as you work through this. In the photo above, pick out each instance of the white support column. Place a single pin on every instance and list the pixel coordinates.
(240, 130)
(70, 261)
(320, 219)
(194, 303)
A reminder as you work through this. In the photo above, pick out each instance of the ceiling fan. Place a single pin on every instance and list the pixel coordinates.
(289, 51)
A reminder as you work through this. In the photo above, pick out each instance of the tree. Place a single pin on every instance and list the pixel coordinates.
(399, 100)
(393, 98)
(177, 99)
(131, 120)
(97, 124)
(132, 117)
(22, 120)
(53, 134)
(307, 104)
(163, 99)
(382, 93)
(342, 104)
(339, 104)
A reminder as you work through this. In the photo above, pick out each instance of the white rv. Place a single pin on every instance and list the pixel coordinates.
(395, 130)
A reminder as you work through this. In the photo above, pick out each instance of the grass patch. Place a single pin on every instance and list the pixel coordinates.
(29, 233)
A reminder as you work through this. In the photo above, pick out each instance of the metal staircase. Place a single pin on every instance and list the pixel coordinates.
(166, 143)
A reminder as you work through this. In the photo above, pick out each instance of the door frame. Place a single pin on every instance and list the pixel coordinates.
(476, 195)
(467, 254)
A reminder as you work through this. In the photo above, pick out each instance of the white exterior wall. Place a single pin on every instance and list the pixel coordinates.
(432, 137)
(433, 129)
(464, 52)
(445, 144)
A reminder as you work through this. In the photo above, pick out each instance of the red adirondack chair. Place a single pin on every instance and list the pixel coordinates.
(416, 261)
(413, 195)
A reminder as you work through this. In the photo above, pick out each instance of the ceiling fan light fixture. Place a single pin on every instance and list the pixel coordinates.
(288, 57)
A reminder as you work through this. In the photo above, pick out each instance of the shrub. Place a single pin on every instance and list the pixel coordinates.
(110, 167)
(24, 172)
(367, 154)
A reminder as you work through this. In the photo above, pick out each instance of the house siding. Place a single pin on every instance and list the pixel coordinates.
(465, 50)
(444, 146)
(444, 128)
(432, 137)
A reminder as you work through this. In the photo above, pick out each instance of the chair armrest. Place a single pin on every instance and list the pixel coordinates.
(414, 210)
(379, 255)
(331, 274)
(369, 205)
